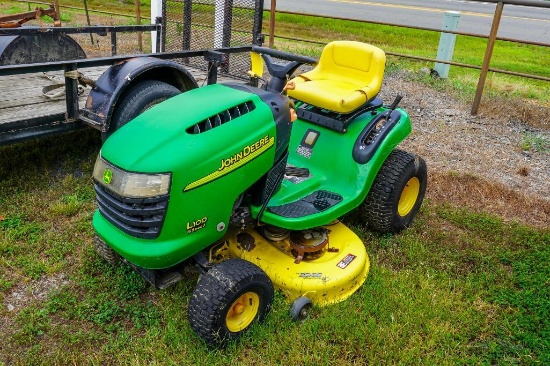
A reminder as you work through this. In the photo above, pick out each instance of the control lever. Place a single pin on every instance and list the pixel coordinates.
(393, 106)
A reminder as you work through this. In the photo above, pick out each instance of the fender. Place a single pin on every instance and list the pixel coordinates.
(118, 78)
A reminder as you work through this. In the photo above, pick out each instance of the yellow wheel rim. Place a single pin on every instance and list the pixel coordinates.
(242, 312)
(408, 197)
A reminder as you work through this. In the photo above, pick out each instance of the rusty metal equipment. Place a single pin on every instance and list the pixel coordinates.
(16, 20)
(34, 48)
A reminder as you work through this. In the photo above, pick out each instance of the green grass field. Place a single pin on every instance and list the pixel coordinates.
(456, 288)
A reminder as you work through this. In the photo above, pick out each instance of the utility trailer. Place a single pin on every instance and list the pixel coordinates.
(61, 95)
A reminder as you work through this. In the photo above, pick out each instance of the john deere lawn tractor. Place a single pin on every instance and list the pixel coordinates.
(248, 184)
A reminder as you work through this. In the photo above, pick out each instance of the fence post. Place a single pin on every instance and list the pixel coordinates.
(187, 18)
(272, 23)
(487, 59)
(156, 12)
(219, 20)
(447, 43)
(138, 22)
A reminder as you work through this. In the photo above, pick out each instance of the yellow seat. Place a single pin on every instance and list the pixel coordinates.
(348, 75)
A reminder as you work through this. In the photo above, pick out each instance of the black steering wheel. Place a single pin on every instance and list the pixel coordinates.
(280, 72)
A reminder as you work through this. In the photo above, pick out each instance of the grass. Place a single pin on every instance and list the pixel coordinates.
(458, 287)
(536, 142)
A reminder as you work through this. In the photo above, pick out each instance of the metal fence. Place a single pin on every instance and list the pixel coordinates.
(484, 68)
(207, 24)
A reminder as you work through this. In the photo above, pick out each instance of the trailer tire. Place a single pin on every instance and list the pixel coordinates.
(228, 300)
(396, 193)
(137, 100)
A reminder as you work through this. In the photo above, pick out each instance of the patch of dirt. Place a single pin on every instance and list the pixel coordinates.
(36, 290)
(478, 161)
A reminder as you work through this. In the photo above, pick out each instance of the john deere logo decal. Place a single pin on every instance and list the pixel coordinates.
(229, 164)
(107, 176)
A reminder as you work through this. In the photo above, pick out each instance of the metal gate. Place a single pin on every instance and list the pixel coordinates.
(208, 24)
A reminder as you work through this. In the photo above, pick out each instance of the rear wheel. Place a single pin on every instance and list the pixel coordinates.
(138, 99)
(228, 299)
(396, 193)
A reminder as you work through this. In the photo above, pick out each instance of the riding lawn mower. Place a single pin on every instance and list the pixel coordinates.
(248, 185)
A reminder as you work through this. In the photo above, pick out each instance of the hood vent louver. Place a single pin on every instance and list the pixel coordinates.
(221, 118)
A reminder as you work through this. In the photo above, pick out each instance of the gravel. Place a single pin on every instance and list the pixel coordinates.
(489, 147)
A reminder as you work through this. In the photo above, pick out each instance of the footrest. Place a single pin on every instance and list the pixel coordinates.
(316, 202)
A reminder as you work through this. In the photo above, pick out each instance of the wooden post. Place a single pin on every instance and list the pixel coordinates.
(88, 20)
(138, 22)
(272, 23)
(57, 19)
(487, 59)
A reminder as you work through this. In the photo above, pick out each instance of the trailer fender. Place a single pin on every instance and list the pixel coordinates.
(120, 78)
(28, 49)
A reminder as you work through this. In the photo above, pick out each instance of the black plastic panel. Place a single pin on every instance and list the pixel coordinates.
(142, 218)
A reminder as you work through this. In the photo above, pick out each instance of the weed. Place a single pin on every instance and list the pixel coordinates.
(535, 142)
(32, 323)
(66, 206)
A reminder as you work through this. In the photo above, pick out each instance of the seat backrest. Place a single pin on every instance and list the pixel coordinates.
(354, 62)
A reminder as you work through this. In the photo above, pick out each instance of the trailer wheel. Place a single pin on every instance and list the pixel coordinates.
(105, 251)
(396, 193)
(228, 299)
(138, 99)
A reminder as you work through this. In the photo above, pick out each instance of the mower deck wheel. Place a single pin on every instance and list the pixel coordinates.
(299, 311)
(228, 299)
(396, 193)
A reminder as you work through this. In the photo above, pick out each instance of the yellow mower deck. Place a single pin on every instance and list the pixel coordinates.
(331, 278)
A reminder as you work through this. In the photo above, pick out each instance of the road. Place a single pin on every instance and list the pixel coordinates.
(518, 22)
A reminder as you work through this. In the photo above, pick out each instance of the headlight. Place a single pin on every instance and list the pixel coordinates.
(127, 184)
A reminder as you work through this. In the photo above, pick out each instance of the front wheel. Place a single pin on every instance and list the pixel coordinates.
(228, 299)
(396, 193)
(105, 251)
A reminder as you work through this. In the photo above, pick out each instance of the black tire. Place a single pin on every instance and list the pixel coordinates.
(138, 99)
(299, 311)
(105, 251)
(396, 193)
(228, 299)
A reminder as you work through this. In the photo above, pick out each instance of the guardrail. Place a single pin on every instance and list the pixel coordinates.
(484, 68)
